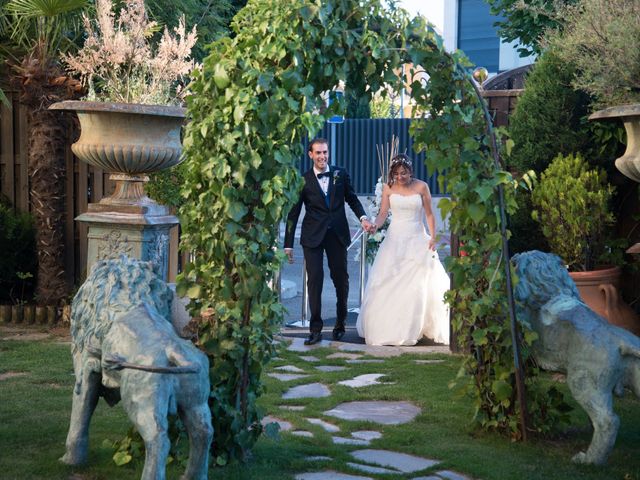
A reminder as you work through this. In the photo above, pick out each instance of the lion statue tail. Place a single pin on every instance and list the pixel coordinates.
(633, 373)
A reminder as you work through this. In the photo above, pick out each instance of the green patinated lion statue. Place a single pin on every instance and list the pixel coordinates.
(125, 347)
(598, 358)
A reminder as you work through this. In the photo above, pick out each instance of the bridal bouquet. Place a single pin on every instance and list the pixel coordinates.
(374, 241)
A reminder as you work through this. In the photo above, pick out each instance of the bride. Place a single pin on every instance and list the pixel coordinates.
(403, 299)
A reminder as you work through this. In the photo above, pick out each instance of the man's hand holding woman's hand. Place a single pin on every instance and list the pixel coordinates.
(289, 253)
(367, 226)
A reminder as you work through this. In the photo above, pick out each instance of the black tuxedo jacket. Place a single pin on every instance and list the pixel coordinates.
(318, 215)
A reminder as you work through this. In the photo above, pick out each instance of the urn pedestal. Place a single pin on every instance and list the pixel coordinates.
(129, 141)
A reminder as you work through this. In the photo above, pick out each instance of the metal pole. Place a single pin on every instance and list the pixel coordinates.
(277, 284)
(305, 295)
(517, 358)
(332, 148)
(363, 264)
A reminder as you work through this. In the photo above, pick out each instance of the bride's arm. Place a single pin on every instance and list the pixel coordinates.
(384, 207)
(431, 220)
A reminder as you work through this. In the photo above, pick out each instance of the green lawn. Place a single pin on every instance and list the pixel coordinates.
(34, 413)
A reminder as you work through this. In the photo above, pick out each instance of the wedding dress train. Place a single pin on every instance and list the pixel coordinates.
(403, 299)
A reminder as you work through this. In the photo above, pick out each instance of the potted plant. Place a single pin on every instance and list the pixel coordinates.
(130, 126)
(601, 39)
(130, 119)
(571, 203)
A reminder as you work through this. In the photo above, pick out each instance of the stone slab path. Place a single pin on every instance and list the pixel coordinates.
(382, 412)
(373, 462)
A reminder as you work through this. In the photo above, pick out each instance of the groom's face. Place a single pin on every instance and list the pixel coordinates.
(319, 154)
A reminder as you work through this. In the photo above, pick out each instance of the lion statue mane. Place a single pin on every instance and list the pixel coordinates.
(125, 347)
(598, 358)
(114, 287)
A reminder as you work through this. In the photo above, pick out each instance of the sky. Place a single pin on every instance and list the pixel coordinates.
(432, 9)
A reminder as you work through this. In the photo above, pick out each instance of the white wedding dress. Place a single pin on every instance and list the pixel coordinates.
(403, 299)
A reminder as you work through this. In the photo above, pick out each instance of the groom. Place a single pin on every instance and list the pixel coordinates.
(324, 229)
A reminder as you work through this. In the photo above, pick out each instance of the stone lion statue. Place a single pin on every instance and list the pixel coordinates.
(125, 347)
(598, 358)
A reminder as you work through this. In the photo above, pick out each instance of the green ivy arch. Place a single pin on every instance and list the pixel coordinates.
(255, 98)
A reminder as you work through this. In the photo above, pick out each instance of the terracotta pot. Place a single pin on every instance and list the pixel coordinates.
(599, 290)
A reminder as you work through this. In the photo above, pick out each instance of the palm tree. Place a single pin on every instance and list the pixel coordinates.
(36, 33)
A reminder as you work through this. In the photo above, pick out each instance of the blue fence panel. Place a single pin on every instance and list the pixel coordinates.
(352, 145)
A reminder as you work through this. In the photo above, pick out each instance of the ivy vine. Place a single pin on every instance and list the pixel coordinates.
(255, 98)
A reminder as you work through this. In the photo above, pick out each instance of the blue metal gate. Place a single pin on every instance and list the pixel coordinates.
(354, 143)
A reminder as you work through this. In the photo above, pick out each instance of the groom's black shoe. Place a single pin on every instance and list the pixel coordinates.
(338, 334)
(314, 338)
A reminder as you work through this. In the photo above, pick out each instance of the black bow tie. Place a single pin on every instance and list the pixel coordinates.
(324, 174)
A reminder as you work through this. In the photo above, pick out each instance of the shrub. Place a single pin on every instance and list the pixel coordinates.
(550, 119)
(118, 62)
(548, 116)
(601, 38)
(18, 244)
(572, 206)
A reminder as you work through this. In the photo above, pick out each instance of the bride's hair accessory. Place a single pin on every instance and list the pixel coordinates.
(397, 162)
(402, 159)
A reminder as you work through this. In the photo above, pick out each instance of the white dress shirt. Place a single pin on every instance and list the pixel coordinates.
(324, 181)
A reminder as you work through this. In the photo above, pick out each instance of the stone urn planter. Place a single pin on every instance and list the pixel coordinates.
(629, 163)
(599, 290)
(129, 141)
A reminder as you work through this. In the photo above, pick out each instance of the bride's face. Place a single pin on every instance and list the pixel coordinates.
(402, 176)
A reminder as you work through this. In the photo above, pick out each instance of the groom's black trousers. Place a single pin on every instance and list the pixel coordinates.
(337, 260)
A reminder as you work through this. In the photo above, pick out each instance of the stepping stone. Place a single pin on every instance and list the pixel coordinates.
(428, 361)
(310, 390)
(430, 477)
(288, 289)
(363, 380)
(366, 360)
(297, 345)
(330, 368)
(350, 356)
(284, 425)
(349, 441)
(373, 350)
(450, 475)
(352, 347)
(317, 458)
(366, 435)
(424, 349)
(302, 433)
(328, 427)
(385, 413)
(293, 408)
(276, 359)
(370, 469)
(309, 358)
(329, 475)
(400, 461)
(290, 368)
(285, 377)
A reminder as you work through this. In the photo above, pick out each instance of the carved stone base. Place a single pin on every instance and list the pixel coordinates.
(141, 236)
